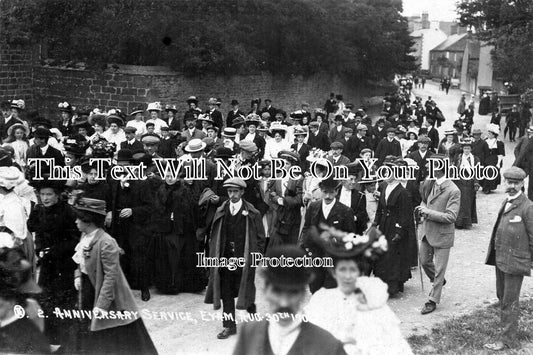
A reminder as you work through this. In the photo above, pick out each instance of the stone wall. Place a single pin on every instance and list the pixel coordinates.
(16, 64)
(131, 86)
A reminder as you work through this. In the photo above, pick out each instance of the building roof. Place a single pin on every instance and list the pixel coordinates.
(454, 43)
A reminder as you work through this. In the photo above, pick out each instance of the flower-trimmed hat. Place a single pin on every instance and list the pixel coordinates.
(138, 109)
(65, 107)
(154, 106)
(171, 108)
(18, 104)
(86, 204)
(344, 245)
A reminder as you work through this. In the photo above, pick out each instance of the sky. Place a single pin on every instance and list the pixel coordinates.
(443, 10)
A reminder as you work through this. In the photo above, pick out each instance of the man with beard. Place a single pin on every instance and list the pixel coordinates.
(285, 292)
(511, 252)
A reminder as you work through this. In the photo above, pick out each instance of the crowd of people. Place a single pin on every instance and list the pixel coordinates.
(88, 241)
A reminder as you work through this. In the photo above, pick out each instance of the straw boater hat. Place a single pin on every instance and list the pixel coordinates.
(299, 131)
(449, 132)
(229, 132)
(466, 141)
(154, 106)
(195, 145)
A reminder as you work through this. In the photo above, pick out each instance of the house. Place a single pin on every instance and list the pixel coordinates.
(425, 40)
(446, 59)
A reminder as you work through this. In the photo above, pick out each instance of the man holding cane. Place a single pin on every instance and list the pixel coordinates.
(440, 204)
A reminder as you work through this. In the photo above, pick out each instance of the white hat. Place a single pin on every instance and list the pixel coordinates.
(275, 126)
(154, 106)
(10, 177)
(493, 128)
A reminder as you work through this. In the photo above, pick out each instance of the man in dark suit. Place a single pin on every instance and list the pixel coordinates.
(191, 132)
(285, 292)
(350, 144)
(301, 148)
(361, 140)
(316, 138)
(131, 143)
(379, 131)
(331, 104)
(337, 132)
(331, 212)
(269, 108)
(168, 144)
(420, 156)
(441, 200)
(388, 146)
(511, 252)
(234, 113)
(337, 158)
(214, 113)
(433, 134)
(41, 149)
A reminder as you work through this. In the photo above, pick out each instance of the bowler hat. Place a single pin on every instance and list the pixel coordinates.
(234, 102)
(329, 183)
(223, 152)
(290, 278)
(42, 133)
(514, 173)
(124, 155)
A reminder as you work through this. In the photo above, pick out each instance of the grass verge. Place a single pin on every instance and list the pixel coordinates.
(468, 333)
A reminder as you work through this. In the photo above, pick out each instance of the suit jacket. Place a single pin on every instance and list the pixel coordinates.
(272, 111)
(312, 340)
(358, 207)
(511, 243)
(231, 116)
(387, 148)
(35, 152)
(137, 146)
(197, 134)
(335, 135)
(320, 141)
(343, 160)
(304, 153)
(443, 205)
(340, 217)
(433, 134)
(421, 162)
(111, 290)
(217, 118)
(176, 124)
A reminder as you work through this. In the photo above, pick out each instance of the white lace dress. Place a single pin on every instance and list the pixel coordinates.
(348, 318)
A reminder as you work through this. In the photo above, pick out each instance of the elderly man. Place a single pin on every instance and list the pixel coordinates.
(439, 208)
(511, 251)
(285, 292)
(237, 232)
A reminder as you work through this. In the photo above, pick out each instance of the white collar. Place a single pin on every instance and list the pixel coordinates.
(9, 320)
(237, 206)
(514, 197)
(45, 148)
(283, 338)
(440, 180)
(393, 184)
(131, 141)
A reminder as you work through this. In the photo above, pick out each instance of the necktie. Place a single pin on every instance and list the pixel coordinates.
(508, 204)
(469, 160)
(233, 210)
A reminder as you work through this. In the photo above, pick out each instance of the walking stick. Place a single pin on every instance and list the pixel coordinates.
(418, 228)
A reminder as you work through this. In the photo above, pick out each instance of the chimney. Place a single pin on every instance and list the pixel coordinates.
(425, 21)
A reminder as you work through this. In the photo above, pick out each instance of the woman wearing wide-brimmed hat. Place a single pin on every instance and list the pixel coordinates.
(278, 143)
(356, 311)
(56, 235)
(103, 288)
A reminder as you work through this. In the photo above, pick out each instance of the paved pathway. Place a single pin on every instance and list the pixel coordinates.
(470, 282)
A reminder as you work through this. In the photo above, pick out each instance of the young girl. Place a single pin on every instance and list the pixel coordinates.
(18, 139)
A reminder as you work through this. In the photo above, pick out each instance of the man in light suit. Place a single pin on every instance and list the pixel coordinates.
(285, 292)
(439, 208)
(511, 251)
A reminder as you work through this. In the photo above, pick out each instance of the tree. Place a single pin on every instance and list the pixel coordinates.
(508, 25)
(361, 39)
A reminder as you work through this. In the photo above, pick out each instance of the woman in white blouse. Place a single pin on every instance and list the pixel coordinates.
(17, 137)
(356, 311)
(278, 143)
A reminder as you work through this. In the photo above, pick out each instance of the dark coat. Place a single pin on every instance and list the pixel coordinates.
(359, 143)
(167, 148)
(137, 146)
(312, 340)
(320, 141)
(35, 152)
(394, 217)
(343, 160)
(286, 226)
(358, 207)
(304, 153)
(386, 148)
(231, 116)
(271, 110)
(255, 240)
(433, 134)
(511, 243)
(217, 118)
(176, 124)
(480, 149)
(335, 134)
(421, 162)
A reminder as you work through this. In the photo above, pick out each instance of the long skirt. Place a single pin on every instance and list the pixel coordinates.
(175, 263)
(467, 211)
(131, 338)
(492, 160)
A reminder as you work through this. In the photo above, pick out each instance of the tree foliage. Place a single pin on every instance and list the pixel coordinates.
(508, 25)
(364, 39)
